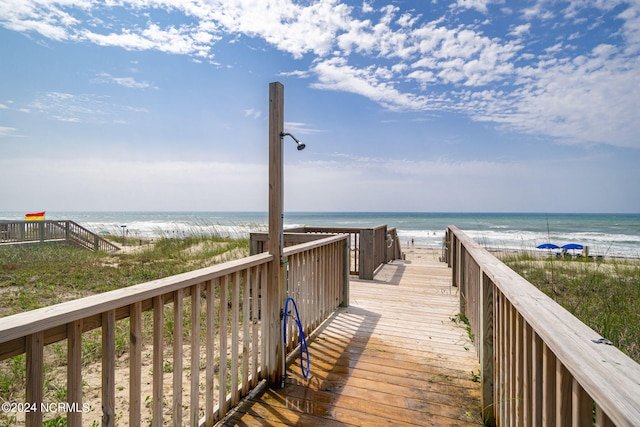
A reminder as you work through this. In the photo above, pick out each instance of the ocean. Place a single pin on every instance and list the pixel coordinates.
(615, 235)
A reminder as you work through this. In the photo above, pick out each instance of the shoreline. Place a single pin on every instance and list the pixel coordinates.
(434, 254)
(607, 235)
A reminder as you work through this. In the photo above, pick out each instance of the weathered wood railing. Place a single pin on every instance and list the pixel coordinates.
(539, 365)
(220, 305)
(53, 231)
(310, 266)
(370, 247)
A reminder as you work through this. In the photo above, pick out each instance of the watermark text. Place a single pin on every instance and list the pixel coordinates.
(44, 407)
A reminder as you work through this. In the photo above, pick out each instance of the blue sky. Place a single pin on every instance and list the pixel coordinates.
(467, 105)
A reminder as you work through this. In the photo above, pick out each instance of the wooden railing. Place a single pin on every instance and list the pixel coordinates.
(311, 266)
(539, 365)
(214, 318)
(53, 231)
(369, 247)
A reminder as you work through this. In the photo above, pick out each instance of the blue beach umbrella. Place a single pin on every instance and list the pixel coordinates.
(548, 246)
(572, 246)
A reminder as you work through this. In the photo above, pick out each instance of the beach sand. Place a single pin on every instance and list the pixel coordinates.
(418, 254)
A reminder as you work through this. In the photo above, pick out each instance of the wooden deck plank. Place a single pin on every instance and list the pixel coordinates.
(395, 356)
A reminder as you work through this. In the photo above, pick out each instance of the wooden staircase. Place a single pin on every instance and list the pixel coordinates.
(21, 232)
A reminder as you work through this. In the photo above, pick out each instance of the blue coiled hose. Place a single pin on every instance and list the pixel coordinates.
(303, 339)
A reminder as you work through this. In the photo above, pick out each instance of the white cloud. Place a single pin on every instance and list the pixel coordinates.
(337, 74)
(479, 5)
(537, 11)
(459, 55)
(7, 131)
(592, 99)
(289, 27)
(129, 82)
(81, 108)
(182, 40)
(631, 27)
(300, 128)
(295, 73)
(388, 38)
(253, 113)
(520, 30)
(51, 20)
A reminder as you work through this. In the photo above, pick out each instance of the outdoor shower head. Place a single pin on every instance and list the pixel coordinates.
(300, 144)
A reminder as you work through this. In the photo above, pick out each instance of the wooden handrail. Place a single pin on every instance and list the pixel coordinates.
(369, 247)
(291, 250)
(234, 354)
(318, 280)
(303, 234)
(539, 364)
(53, 231)
(41, 319)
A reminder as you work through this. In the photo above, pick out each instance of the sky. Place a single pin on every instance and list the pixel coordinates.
(426, 106)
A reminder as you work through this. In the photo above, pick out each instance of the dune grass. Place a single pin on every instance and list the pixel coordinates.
(605, 295)
(33, 276)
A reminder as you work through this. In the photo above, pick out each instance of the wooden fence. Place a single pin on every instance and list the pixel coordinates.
(369, 247)
(53, 231)
(214, 319)
(539, 364)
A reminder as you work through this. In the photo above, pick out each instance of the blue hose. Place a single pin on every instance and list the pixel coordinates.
(303, 339)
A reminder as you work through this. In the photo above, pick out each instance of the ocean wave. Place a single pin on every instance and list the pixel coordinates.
(516, 240)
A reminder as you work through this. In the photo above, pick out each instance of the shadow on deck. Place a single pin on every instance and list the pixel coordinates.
(394, 357)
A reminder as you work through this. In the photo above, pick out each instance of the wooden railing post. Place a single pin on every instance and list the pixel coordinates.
(74, 372)
(453, 257)
(462, 284)
(41, 231)
(255, 245)
(366, 265)
(34, 377)
(485, 343)
(108, 368)
(135, 362)
(22, 231)
(382, 245)
(158, 360)
(345, 271)
(447, 247)
(178, 316)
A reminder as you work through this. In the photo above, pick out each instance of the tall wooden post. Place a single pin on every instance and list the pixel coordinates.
(275, 285)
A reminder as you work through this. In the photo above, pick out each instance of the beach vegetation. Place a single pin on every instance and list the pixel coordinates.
(461, 319)
(34, 276)
(604, 294)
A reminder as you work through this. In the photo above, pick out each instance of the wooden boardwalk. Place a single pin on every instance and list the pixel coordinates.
(394, 357)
